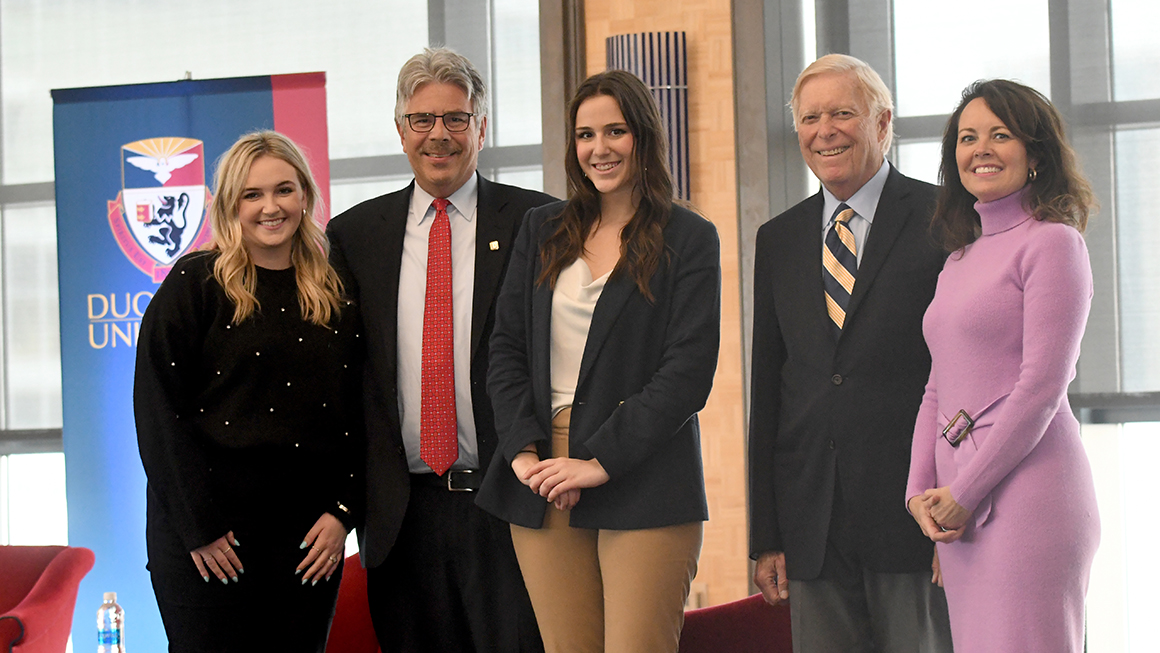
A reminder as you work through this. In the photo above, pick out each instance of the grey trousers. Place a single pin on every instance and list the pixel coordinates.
(876, 613)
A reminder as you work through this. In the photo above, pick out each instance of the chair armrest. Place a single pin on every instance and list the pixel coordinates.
(11, 632)
(54, 596)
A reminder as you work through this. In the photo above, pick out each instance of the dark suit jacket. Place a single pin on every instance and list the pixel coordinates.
(647, 369)
(823, 411)
(367, 249)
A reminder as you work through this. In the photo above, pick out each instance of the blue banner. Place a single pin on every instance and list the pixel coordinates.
(133, 165)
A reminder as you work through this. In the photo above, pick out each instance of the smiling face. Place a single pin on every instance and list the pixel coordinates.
(270, 211)
(992, 162)
(604, 145)
(840, 140)
(442, 160)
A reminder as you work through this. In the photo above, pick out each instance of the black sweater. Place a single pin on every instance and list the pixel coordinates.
(250, 426)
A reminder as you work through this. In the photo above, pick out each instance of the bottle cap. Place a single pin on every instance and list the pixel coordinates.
(111, 596)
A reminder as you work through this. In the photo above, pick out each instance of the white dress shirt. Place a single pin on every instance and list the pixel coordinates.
(412, 294)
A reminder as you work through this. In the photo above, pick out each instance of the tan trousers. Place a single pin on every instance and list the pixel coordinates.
(602, 590)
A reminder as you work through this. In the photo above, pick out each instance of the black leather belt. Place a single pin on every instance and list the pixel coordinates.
(455, 480)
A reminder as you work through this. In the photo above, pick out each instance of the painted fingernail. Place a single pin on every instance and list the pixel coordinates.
(205, 578)
(304, 581)
(303, 545)
(241, 571)
(225, 581)
(236, 542)
(314, 583)
(297, 571)
(234, 578)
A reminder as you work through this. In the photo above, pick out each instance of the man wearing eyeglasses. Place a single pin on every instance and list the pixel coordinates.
(425, 265)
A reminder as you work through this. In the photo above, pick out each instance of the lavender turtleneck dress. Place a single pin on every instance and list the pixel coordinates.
(1004, 330)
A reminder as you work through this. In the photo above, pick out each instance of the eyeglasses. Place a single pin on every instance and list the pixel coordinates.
(454, 121)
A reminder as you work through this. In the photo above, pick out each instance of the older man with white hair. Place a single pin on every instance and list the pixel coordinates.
(841, 282)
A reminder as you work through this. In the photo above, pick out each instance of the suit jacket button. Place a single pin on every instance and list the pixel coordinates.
(402, 450)
(831, 445)
(836, 379)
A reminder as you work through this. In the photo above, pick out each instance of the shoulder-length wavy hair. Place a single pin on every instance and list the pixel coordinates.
(319, 288)
(642, 239)
(1059, 192)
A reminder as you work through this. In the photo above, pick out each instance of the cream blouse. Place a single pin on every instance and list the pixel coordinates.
(573, 301)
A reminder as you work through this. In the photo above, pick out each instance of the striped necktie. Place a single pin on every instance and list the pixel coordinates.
(839, 266)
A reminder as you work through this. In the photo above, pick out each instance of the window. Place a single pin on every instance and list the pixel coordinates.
(1122, 603)
(940, 47)
(1135, 50)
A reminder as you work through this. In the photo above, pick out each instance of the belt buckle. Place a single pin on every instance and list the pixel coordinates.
(451, 474)
(958, 438)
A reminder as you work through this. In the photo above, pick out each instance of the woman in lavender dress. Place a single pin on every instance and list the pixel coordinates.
(998, 476)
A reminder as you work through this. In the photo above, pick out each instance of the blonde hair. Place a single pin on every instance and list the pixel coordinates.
(319, 288)
(868, 84)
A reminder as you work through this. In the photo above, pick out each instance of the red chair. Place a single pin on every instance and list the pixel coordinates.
(38, 591)
(747, 626)
(352, 630)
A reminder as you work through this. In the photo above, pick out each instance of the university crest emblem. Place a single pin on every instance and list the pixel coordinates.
(159, 215)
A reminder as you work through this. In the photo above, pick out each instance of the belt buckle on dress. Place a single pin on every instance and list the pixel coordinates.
(958, 437)
(452, 473)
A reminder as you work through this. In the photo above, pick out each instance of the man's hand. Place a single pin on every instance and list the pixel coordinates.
(769, 576)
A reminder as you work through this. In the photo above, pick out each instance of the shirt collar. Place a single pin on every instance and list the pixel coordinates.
(864, 202)
(463, 201)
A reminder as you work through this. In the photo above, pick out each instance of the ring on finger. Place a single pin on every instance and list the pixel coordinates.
(314, 548)
(332, 559)
(227, 549)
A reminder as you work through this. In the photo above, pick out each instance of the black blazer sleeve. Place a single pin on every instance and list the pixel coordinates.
(768, 358)
(509, 376)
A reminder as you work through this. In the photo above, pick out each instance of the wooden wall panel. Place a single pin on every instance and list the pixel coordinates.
(724, 569)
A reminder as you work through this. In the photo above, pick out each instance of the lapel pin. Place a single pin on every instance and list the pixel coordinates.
(493, 245)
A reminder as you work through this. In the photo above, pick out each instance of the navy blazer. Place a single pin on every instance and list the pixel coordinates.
(825, 411)
(646, 370)
(366, 248)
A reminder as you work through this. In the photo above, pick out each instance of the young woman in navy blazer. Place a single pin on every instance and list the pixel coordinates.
(604, 348)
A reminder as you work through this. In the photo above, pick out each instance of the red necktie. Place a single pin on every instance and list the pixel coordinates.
(438, 435)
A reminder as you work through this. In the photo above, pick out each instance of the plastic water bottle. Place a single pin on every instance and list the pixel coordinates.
(110, 626)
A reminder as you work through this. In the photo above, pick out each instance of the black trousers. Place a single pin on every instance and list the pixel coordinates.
(451, 582)
(258, 613)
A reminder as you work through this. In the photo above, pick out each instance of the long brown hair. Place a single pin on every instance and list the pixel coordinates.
(319, 288)
(642, 239)
(1058, 192)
